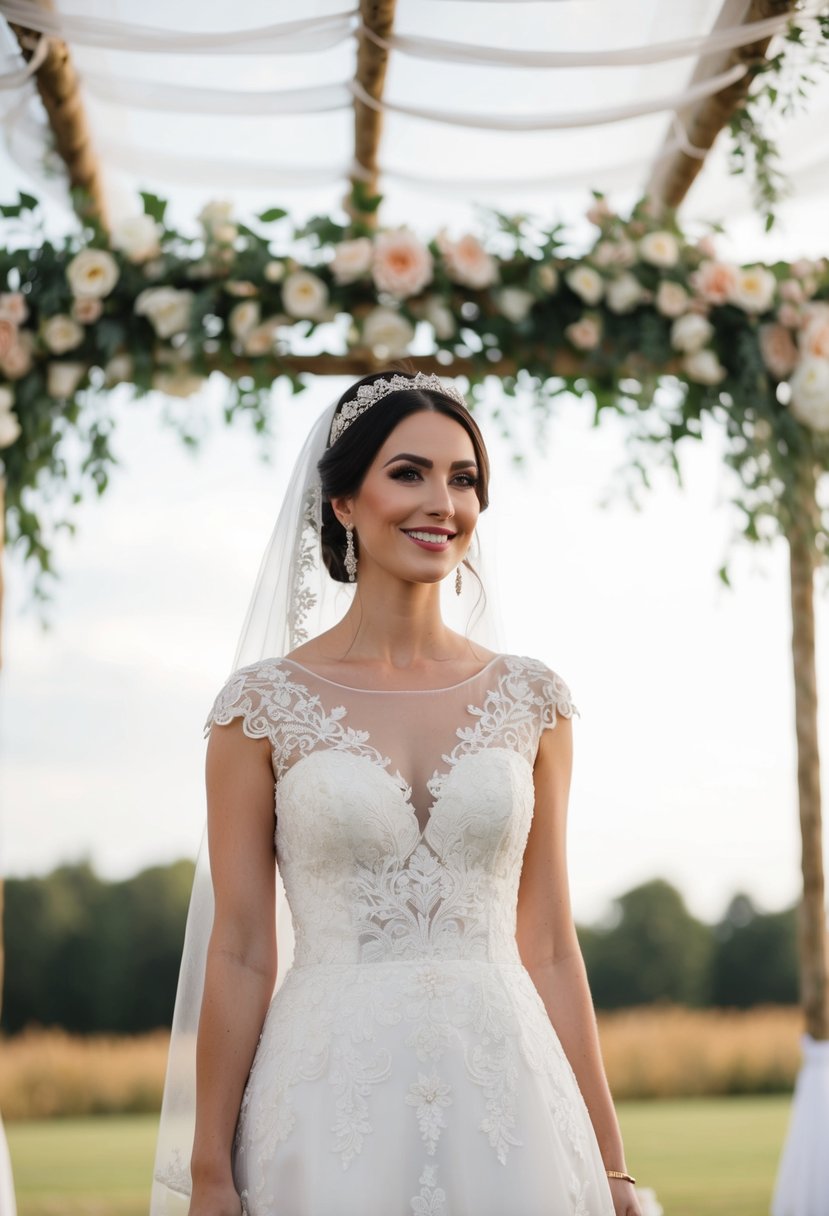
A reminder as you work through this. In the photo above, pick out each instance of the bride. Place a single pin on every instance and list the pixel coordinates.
(431, 1046)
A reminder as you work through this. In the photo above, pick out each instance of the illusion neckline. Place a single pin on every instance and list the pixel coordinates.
(392, 691)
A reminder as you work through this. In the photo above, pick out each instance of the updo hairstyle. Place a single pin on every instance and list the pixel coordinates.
(346, 462)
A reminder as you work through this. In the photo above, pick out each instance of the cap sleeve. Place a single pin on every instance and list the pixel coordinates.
(555, 697)
(254, 694)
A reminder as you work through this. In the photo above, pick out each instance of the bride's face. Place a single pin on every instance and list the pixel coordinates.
(417, 507)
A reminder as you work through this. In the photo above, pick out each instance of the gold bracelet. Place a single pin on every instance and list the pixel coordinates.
(620, 1175)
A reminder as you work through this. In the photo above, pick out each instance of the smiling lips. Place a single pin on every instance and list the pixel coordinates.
(436, 539)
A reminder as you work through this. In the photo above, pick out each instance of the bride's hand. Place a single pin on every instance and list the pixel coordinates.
(215, 1199)
(625, 1199)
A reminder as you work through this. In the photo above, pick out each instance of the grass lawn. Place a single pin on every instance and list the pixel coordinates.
(703, 1157)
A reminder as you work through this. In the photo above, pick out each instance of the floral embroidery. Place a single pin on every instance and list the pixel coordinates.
(432, 1198)
(429, 1095)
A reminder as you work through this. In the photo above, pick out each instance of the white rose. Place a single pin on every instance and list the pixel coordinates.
(624, 293)
(671, 299)
(167, 308)
(138, 238)
(6, 398)
(659, 249)
(304, 295)
(690, 333)
(810, 393)
(9, 428)
(548, 277)
(587, 283)
(514, 303)
(387, 333)
(352, 259)
(119, 370)
(274, 272)
(63, 378)
(220, 211)
(754, 289)
(177, 383)
(243, 318)
(92, 272)
(261, 340)
(61, 333)
(13, 307)
(225, 234)
(440, 318)
(703, 367)
(17, 360)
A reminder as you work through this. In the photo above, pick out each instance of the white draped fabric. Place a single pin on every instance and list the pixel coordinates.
(803, 1178)
(8, 1205)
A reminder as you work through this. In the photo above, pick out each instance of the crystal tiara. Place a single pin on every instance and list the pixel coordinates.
(368, 394)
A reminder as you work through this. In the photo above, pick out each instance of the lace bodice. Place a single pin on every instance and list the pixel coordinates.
(401, 817)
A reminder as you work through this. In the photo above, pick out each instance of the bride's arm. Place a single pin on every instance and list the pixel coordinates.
(550, 950)
(241, 956)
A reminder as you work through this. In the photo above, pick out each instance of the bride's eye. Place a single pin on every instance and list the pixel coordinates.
(401, 473)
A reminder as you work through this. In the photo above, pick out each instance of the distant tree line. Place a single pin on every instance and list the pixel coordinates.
(96, 956)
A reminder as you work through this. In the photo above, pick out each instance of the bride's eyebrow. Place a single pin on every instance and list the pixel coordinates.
(428, 464)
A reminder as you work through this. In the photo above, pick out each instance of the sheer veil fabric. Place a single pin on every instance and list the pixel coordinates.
(294, 599)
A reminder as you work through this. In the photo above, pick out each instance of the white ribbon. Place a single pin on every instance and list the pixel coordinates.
(557, 122)
(187, 99)
(17, 78)
(308, 34)
(657, 52)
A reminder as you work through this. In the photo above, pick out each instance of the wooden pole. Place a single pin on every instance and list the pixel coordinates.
(813, 942)
(372, 59)
(59, 88)
(672, 177)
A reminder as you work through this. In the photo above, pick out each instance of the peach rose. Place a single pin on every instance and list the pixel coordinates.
(790, 315)
(778, 350)
(401, 265)
(586, 333)
(792, 290)
(468, 263)
(13, 307)
(8, 336)
(814, 337)
(17, 361)
(86, 310)
(715, 281)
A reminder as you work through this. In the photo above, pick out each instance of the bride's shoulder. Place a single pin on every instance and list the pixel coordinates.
(550, 691)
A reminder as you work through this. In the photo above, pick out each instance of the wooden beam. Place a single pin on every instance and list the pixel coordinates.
(672, 177)
(59, 88)
(372, 59)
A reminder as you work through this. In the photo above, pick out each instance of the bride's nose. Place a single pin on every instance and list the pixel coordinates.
(441, 502)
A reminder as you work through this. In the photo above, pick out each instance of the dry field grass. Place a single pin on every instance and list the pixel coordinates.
(652, 1052)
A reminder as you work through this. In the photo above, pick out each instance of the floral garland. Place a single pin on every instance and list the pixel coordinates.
(644, 307)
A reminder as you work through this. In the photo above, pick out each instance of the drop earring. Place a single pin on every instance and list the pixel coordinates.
(350, 556)
(458, 581)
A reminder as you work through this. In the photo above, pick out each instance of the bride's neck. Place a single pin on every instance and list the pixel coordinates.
(401, 625)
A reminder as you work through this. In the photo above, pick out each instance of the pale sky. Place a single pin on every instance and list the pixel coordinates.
(684, 765)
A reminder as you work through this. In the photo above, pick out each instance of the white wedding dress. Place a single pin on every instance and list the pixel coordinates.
(407, 1064)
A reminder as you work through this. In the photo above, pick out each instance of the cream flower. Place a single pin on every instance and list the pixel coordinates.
(63, 378)
(778, 350)
(86, 310)
(61, 333)
(599, 211)
(671, 299)
(216, 213)
(304, 295)
(241, 289)
(587, 283)
(17, 361)
(6, 398)
(179, 382)
(138, 237)
(810, 393)
(168, 309)
(9, 428)
(690, 333)
(754, 289)
(703, 367)
(624, 293)
(13, 307)
(514, 303)
(584, 334)
(401, 264)
(387, 333)
(261, 340)
(548, 278)
(659, 249)
(243, 318)
(92, 272)
(468, 263)
(352, 259)
(8, 336)
(814, 336)
(715, 281)
(440, 317)
(119, 370)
